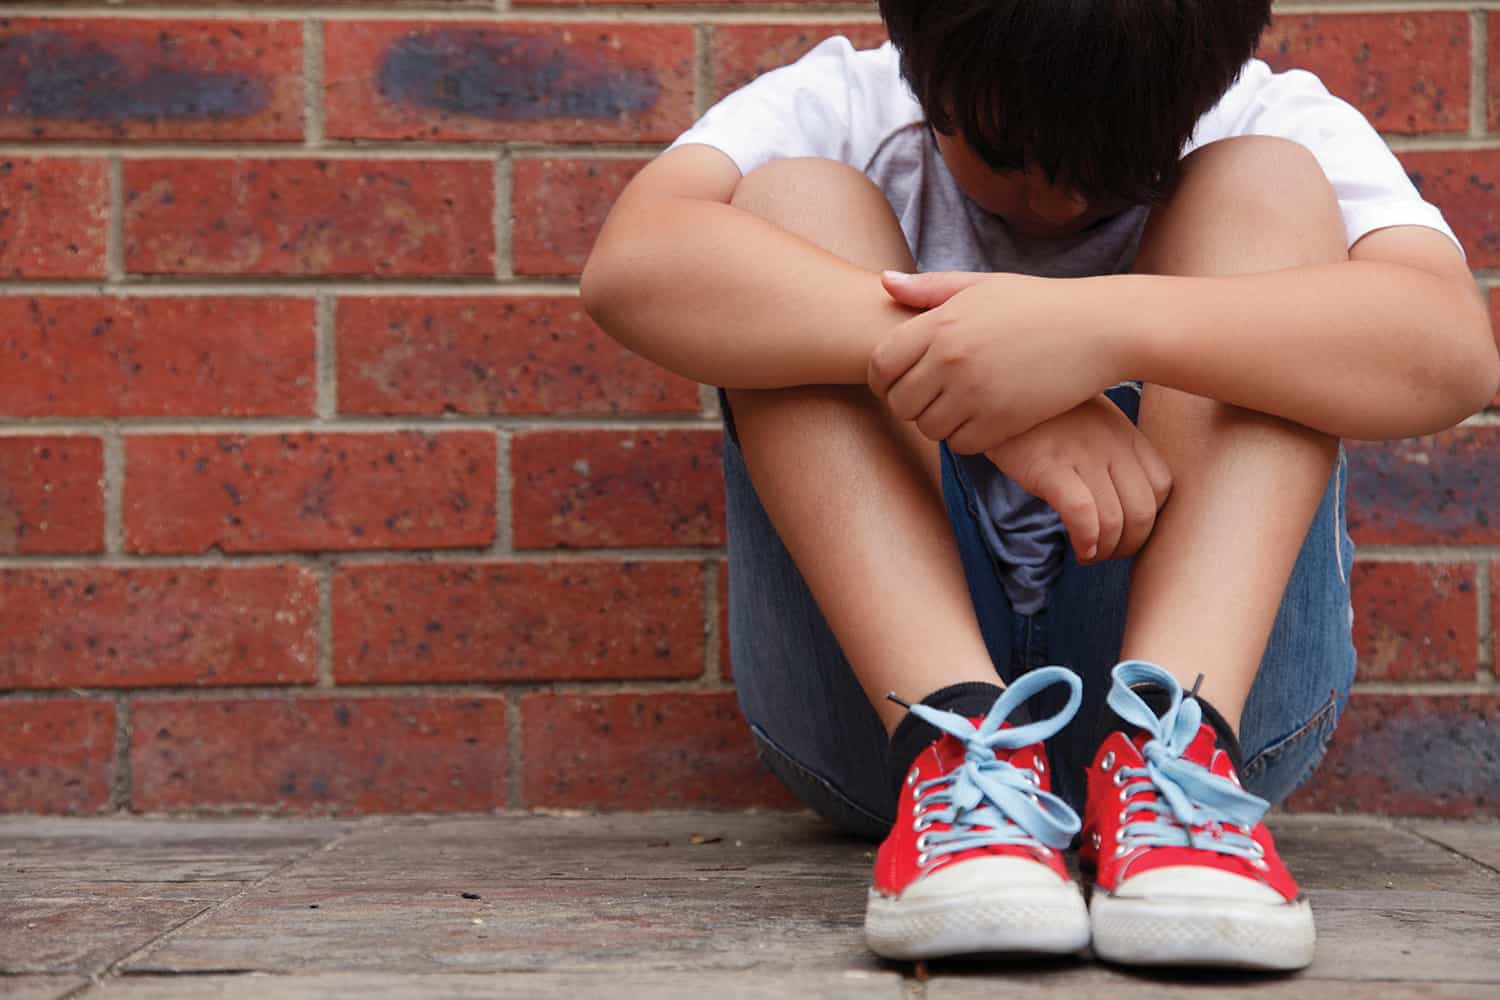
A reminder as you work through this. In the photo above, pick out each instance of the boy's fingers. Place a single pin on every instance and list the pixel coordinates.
(927, 291)
(1107, 502)
(1158, 473)
(894, 356)
(941, 418)
(1138, 500)
(1064, 489)
(913, 393)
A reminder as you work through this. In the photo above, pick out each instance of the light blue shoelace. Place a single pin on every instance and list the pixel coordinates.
(1188, 795)
(987, 801)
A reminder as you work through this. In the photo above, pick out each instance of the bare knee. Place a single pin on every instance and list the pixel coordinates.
(829, 204)
(1265, 195)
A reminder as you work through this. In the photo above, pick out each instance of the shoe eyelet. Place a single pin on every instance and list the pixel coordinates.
(1097, 841)
(1121, 851)
(922, 860)
(1044, 850)
(1034, 778)
(1123, 819)
(1119, 778)
(1039, 765)
(911, 779)
(922, 844)
(1256, 849)
(1259, 863)
(921, 822)
(1108, 761)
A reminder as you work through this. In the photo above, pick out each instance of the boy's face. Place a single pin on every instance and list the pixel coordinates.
(1025, 199)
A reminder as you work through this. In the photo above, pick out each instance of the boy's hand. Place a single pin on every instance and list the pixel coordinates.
(1098, 471)
(993, 355)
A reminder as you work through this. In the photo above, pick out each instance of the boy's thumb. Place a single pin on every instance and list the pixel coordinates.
(926, 291)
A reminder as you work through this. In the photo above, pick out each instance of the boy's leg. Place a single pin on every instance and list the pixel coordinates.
(1211, 585)
(855, 498)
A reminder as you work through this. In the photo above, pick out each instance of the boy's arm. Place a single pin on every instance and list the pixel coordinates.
(714, 293)
(1392, 343)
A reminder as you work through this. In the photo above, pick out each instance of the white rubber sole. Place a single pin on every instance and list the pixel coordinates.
(1031, 921)
(1202, 932)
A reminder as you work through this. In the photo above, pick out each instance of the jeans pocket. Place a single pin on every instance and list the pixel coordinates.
(1281, 768)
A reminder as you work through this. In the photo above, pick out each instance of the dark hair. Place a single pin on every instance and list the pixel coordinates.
(1099, 94)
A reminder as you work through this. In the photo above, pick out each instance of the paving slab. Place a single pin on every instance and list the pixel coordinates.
(851, 985)
(84, 893)
(1097, 981)
(1337, 852)
(38, 987)
(1477, 841)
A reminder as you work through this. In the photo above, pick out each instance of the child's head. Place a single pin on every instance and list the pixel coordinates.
(1080, 106)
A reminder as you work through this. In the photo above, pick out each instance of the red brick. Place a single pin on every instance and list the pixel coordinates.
(156, 79)
(320, 755)
(517, 621)
(100, 626)
(741, 52)
(557, 207)
(410, 490)
(1415, 621)
(1463, 184)
(1437, 489)
(50, 495)
(1408, 72)
(492, 355)
(589, 489)
(248, 216)
(1412, 755)
(89, 356)
(666, 750)
(567, 82)
(726, 667)
(1493, 89)
(57, 756)
(52, 217)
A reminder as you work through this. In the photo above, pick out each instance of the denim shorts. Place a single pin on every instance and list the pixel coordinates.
(818, 734)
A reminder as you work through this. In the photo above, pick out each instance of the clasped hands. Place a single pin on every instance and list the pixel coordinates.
(1014, 367)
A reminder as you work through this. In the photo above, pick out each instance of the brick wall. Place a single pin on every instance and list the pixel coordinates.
(319, 492)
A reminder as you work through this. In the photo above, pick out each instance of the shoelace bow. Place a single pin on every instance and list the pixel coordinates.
(1189, 795)
(987, 801)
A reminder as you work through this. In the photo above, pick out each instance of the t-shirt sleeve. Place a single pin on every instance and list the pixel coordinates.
(832, 103)
(1373, 189)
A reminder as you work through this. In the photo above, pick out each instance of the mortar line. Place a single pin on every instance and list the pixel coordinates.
(459, 689)
(114, 969)
(119, 799)
(114, 222)
(703, 71)
(324, 666)
(505, 538)
(138, 287)
(1441, 142)
(325, 354)
(361, 423)
(1478, 69)
(113, 487)
(470, 556)
(1440, 688)
(502, 218)
(312, 83)
(335, 149)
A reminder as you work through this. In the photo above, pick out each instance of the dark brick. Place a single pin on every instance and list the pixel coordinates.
(57, 756)
(741, 52)
(557, 207)
(50, 495)
(1408, 71)
(1463, 184)
(1412, 755)
(668, 750)
(589, 489)
(517, 621)
(98, 626)
(492, 355)
(410, 490)
(332, 217)
(1415, 621)
(1437, 489)
(156, 79)
(52, 217)
(320, 755)
(565, 82)
(170, 356)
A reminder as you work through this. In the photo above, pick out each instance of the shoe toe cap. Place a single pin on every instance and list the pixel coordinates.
(989, 874)
(1196, 882)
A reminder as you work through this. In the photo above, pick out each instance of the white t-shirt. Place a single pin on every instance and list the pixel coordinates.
(854, 107)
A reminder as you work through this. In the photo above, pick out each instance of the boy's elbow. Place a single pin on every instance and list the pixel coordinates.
(597, 289)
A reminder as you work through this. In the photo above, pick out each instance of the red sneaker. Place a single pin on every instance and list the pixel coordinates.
(972, 864)
(1185, 872)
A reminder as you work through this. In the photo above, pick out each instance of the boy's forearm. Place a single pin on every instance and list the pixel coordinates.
(1359, 349)
(721, 296)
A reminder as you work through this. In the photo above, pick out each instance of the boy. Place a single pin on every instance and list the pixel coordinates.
(924, 277)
